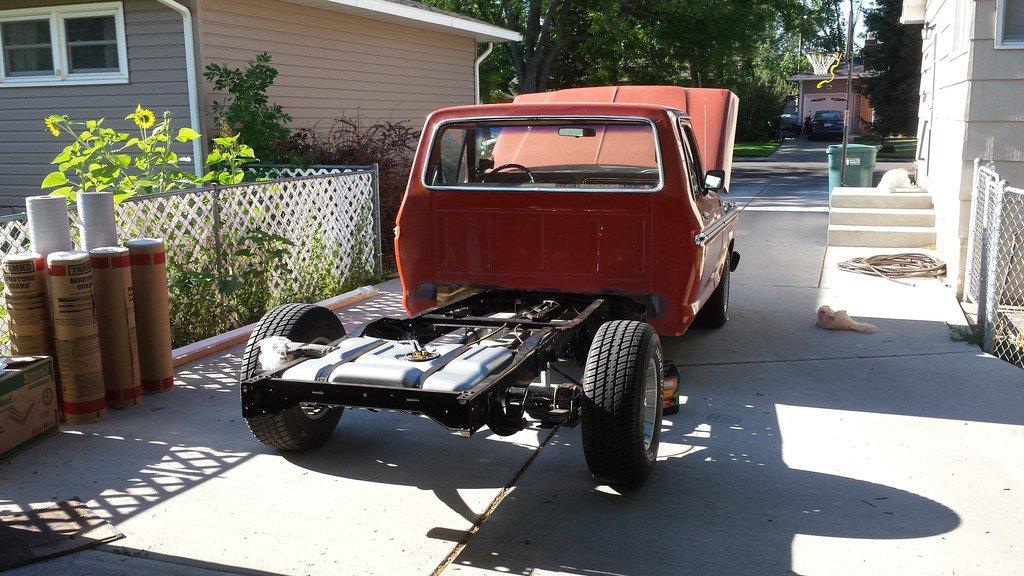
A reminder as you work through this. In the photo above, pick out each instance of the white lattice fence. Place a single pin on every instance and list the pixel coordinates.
(327, 218)
(331, 224)
(278, 172)
(13, 238)
(185, 219)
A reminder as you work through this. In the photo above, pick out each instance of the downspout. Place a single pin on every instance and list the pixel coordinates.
(190, 72)
(476, 68)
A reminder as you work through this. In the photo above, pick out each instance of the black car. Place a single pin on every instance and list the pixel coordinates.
(789, 125)
(825, 124)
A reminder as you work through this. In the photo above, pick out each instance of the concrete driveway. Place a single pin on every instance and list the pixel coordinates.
(797, 451)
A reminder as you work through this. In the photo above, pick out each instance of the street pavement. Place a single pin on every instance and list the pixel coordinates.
(797, 451)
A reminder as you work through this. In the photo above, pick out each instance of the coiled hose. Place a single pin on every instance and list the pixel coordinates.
(894, 266)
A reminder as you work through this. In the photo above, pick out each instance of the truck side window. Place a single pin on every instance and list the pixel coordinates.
(692, 164)
(450, 165)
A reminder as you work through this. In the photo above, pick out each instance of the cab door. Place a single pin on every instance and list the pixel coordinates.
(709, 204)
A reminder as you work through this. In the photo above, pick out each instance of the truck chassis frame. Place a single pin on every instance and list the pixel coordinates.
(499, 400)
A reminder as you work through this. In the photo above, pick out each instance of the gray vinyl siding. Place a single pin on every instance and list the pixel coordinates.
(156, 69)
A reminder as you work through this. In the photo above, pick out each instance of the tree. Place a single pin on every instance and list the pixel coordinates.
(749, 46)
(542, 24)
(246, 110)
(893, 66)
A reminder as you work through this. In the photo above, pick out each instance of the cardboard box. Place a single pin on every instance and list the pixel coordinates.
(28, 404)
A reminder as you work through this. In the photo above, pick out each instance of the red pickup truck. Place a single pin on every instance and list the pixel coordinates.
(566, 228)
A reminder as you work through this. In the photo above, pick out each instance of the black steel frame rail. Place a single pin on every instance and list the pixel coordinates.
(466, 410)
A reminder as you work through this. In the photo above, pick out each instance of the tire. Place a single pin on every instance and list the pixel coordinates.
(715, 312)
(298, 427)
(620, 432)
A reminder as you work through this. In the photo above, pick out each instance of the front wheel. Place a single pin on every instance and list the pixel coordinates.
(302, 426)
(715, 312)
(622, 408)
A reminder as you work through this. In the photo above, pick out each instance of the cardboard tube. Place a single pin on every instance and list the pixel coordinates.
(24, 277)
(152, 313)
(96, 213)
(115, 319)
(49, 225)
(83, 398)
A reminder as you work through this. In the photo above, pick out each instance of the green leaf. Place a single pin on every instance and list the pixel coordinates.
(186, 134)
(54, 179)
(213, 158)
(63, 191)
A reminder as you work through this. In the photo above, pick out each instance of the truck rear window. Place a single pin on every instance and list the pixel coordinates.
(574, 155)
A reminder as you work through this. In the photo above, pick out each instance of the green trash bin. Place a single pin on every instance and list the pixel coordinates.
(860, 165)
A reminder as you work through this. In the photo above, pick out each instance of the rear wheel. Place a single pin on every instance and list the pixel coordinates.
(622, 408)
(301, 426)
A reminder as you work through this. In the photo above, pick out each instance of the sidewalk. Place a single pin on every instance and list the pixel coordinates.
(797, 450)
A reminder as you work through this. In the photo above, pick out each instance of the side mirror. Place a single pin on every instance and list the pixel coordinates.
(714, 181)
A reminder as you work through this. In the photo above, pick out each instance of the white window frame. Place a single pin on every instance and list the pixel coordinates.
(58, 44)
(1000, 20)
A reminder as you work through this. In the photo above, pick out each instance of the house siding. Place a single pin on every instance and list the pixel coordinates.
(156, 68)
(972, 106)
(333, 64)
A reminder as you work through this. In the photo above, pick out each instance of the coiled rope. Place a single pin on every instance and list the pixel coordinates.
(894, 266)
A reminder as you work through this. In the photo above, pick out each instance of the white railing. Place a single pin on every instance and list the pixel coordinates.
(994, 278)
(309, 235)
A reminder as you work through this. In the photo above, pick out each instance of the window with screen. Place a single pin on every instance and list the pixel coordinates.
(27, 48)
(75, 43)
(1010, 23)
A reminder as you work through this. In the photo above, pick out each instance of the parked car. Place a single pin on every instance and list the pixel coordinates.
(789, 125)
(568, 227)
(825, 124)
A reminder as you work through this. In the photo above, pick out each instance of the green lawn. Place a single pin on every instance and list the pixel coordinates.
(754, 149)
(892, 148)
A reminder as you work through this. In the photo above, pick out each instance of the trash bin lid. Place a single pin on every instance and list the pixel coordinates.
(851, 148)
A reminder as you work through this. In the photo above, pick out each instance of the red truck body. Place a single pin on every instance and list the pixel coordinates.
(666, 247)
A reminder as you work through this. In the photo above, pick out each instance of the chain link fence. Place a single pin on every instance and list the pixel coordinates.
(994, 277)
(297, 237)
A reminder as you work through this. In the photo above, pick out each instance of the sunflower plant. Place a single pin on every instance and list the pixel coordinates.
(102, 159)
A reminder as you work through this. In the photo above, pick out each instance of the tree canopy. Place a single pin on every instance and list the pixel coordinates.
(748, 46)
(893, 64)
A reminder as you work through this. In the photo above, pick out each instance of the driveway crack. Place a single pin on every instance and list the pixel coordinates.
(493, 506)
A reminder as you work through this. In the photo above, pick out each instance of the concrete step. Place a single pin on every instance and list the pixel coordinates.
(872, 198)
(882, 216)
(883, 236)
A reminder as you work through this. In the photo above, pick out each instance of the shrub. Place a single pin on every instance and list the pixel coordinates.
(247, 110)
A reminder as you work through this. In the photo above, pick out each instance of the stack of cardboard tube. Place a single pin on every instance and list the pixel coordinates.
(101, 312)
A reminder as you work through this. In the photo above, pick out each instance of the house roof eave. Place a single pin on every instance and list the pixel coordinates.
(414, 14)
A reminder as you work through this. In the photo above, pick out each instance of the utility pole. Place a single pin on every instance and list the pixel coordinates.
(849, 94)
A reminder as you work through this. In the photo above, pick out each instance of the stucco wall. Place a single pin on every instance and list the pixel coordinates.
(333, 64)
(156, 68)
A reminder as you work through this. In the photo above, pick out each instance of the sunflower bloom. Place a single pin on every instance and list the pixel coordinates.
(51, 125)
(143, 118)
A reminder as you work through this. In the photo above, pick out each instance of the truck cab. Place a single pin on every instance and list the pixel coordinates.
(613, 190)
